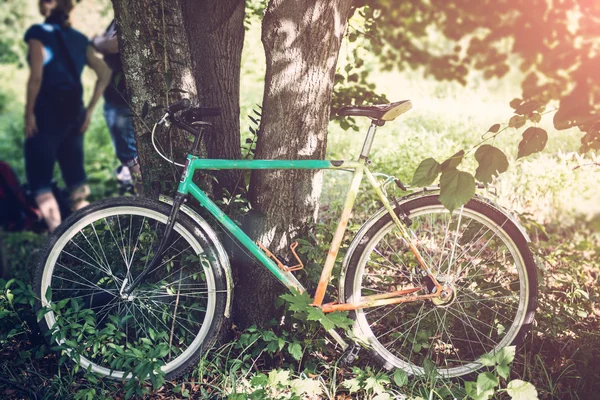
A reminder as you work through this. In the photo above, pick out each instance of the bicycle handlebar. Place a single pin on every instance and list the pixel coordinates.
(194, 114)
(197, 113)
(179, 105)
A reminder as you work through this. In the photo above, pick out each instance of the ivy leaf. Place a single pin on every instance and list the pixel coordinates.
(506, 355)
(315, 314)
(492, 162)
(331, 320)
(503, 370)
(376, 383)
(400, 378)
(311, 387)
(534, 140)
(168, 80)
(470, 389)
(528, 107)
(429, 368)
(457, 188)
(453, 161)
(353, 385)
(295, 350)
(489, 360)
(494, 128)
(383, 396)
(298, 302)
(515, 103)
(521, 390)
(259, 380)
(517, 121)
(535, 117)
(277, 377)
(484, 395)
(486, 381)
(426, 172)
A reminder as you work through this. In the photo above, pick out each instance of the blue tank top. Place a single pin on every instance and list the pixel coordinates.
(56, 67)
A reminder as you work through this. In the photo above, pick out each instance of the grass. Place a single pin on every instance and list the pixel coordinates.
(555, 193)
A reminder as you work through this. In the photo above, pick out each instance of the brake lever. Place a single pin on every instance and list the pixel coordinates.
(165, 120)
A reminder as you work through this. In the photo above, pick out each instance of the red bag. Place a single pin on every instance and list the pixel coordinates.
(16, 212)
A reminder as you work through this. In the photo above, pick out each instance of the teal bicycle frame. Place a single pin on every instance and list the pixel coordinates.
(187, 186)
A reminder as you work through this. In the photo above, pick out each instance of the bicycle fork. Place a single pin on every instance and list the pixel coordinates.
(128, 288)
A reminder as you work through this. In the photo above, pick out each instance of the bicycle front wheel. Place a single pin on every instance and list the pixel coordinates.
(169, 319)
(478, 253)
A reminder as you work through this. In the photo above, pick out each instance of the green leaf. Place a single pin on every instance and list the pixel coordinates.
(521, 390)
(383, 396)
(515, 103)
(492, 162)
(457, 188)
(429, 368)
(277, 377)
(494, 128)
(426, 172)
(470, 388)
(503, 370)
(534, 141)
(295, 350)
(485, 395)
(259, 380)
(298, 302)
(506, 355)
(489, 360)
(340, 319)
(528, 107)
(331, 320)
(400, 377)
(353, 385)
(453, 161)
(517, 121)
(376, 383)
(486, 381)
(168, 80)
(535, 117)
(311, 387)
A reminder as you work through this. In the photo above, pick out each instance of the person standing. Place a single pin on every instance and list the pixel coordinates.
(55, 116)
(117, 113)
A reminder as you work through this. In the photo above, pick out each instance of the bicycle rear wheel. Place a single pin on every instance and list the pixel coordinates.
(172, 316)
(478, 252)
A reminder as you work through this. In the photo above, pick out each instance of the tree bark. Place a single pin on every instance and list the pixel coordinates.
(157, 64)
(302, 40)
(215, 30)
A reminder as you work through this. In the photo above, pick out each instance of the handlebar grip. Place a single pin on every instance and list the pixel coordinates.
(179, 105)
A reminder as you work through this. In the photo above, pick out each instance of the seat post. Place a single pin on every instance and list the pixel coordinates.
(364, 154)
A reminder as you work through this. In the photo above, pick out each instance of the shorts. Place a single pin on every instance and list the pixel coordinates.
(63, 143)
(120, 124)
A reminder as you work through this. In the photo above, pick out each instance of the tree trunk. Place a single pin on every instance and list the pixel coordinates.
(215, 29)
(157, 64)
(302, 40)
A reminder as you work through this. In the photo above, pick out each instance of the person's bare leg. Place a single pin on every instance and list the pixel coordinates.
(79, 196)
(48, 206)
(136, 176)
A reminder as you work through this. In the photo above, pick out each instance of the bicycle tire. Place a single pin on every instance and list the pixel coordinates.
(462, 332)
(181, 304)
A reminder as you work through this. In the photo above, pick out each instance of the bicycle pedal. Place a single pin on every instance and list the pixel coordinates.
(349, 357)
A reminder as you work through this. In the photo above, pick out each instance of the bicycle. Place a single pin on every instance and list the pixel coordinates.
(419, 282)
